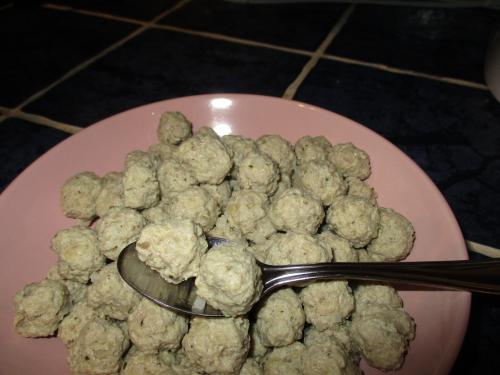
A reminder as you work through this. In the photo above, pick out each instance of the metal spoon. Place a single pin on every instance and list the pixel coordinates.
(474, 276)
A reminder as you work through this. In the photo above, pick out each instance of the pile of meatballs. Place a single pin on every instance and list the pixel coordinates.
(276, 203)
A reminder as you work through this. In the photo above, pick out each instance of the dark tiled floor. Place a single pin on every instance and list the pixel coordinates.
(21, 143)
(449, 42)
(293, 25)
(181, 65)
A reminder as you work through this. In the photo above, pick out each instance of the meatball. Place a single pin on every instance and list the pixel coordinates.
(77, 291)
(174, 176)
(138, 362)
(109, 294)
(118, 228)
(98, 349)
(320, 179)
(111, 194)
(281, 319)
(287, 360)
(362, 189)
(223, 229)
(327, 303)
(40, 307)
(251, 367)
(258, 172)
(217, 346)
(395, 236)
(297, 211)
(376, 294)
(257, 349)
(79, 194)
(160, 152)
(354, 219)
(240, 147)
(78, 253)
(173, 248)
(154, 328)
(72, 324)
(350, 160)
(140, 186)
(340, 247)
(173, 128)
(206, 157)
(221, 193)
(279, 150)
(310, 148)
(156, 214)
(229, 279)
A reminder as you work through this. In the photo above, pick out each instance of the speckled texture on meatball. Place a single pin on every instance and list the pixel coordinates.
(278, 149)
(362, 189)
(297, 211)
(327, 303)
(340, 247)
(98, 349)
(160, 152)
(350, 160)
(229, 279)
(156, 214)
(109, 294)
(320, 179)
(223, 229)
(140, 186)
(173, 128)
(40, 307)
(287, 360)
(179, 363)
(173, 248)
(77, 291)
(154, 328)
(310, 148)
(118, 228)
(368, 293)
(207, 158)
(257, 349)
(218, 346)
(174, 176)
(251, 367)
(221, 193)
(258, 172)
(280, 320)
(395, 236)
(137, 362)
(72, 324)
(111, 194)
(240, 147)
(354, 219)
(79, 194)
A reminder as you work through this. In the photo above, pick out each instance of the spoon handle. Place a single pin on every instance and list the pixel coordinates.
(475, 276)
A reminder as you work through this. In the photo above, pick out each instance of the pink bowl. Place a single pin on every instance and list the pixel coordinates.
(30, 213)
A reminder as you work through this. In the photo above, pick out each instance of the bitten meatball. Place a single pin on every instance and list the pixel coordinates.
(173, 248)
(229, 279)
(111, 194)
(258, 172)
(312, 148)
(340, 247)
(40, 307)
(350, 160)
(218, 346)
(206, 157)
(118, 228)
(281, 319)
(297, 211)
(154, 328)
(361, 189)
(278, 149)
(79, 194)
(140, 186)
(109, 294)
(173, 128)
(287, 360)
(78, 253)
(320, 179)
(174, 176)
(395, 236)
(354, 219)
(72, 324)
(137, 362)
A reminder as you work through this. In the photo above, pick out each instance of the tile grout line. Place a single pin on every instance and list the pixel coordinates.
(291, 90)
(483, 249)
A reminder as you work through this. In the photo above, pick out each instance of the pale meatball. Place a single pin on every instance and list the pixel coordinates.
(297, 211)
(310, 148)
(40, 307)
(258, 172)
(240, 147)
(257, 349)
(341, 248)
(229, 279)
(207, 131)
(98, 349)
(72, 324)
(111, 194)
(376, 294)
(109, 294)
(395, 236)
(287, 360)
(324, 355)
(261, 250)
(173, 248)
(251, 367)
(140, 186)
(79, 194)
(327, 303)
(154, 328)
(218, 346)
(174, 176)
(197, 205)
(221, 193)
(78, 253)
(297, 248)
(137, 362)
(278, 149)
(223, 229)
(173, 128)
(206, 157)
(156, 214)
(284, 184)
(350, 160)
(382, 334)
(179, 363)
(118, 228)
(320, 179)
(77, 291)
(280, 320)
(160, 152)
(362, 189)
(354, 219)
